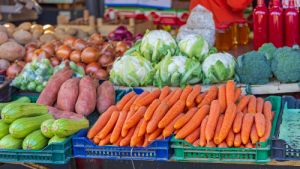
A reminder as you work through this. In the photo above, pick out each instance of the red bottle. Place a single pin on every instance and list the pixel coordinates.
(260, 20)
(291, 25)
(276, 25)
(270, 4)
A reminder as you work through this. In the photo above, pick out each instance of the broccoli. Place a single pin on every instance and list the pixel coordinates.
(253, 68)
(285, 64)
(268, 48)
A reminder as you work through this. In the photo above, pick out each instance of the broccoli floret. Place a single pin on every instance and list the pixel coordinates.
(254, 68)
(268, 48)
(285, 64)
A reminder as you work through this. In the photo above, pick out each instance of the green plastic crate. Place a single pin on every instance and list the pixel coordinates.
(183, 151)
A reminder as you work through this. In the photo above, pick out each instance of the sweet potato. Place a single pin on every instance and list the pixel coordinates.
(67, 95)
(106, 96)
(3, 37)
(60, 72)
(86, 101)
(58, 114)
(96, 83)
(12, 51)
(55, 105)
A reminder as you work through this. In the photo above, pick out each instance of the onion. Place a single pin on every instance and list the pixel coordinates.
(96, 39)
(111, 35)
(14, 69)
(69, 40)
(40, 54)
(128, 39)
(75, 56)
(21, 63)
(54, 61)
(104, 60)
(101, 74)
(31, 46)
(137, 37)
(89, 55)
(82, 65)
(92, 68)
(121, 48)
(116, 38)
(109, 67)
(128, 34)
(28, 56)
(63, 52)
(79, 45)
(121, 31)
(129, 44)
(108, 49)
(56, 44)
(49, 49)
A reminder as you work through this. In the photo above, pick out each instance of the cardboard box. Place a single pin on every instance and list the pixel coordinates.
(121, 2)
(168, 17)
(158, 4)
(182, 16)
(137, 13)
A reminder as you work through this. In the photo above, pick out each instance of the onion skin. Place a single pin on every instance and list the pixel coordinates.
(111, 35)
(75, 56)
(92, 68)
(28, 56)
(56, 44)
(121, 31)
(121, 48)
(96, 39)
(40, 54)
(82, 65)
(79, 45)
(69, 40)
(108, 49)
(14, 69)
(109, 67)
(101, 74)
(63, 52)
(31, 46)
(104, 60)
(21, 63)
(89, 55)
(49, 49)
(54, 61)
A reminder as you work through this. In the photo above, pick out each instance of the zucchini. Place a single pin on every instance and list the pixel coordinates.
(35, 141)
(9, 142)
(46, 128)
(22, 127)
(67, 127)
(56, 139)
(23, 99)
(4, 129)
(15, 111)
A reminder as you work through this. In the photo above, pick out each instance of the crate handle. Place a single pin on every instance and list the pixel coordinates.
(131, 158)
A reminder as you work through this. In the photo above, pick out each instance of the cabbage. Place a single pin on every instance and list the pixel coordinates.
(155, 45)
(218, 67)
(132, 70)
(177, 70)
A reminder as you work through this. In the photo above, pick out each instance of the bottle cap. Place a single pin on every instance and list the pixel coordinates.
(241, 21)
(221, 26)
(260, 2)
(276, 3)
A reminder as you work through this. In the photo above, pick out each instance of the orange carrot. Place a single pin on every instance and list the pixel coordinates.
(222, 98)
(148, 99)
(117, 143)
(218, 128)
(183, 120)
(200, 97)
(192, 106)
(212, 120)
(202, 140)
(252, 105)
(186, 109)
(186, 91)
(110, 124)
(260, 124)
(230, 89)
(237, 123)
(237, 93)
(245, 111)
(124, 100)
(146, 140)
(126, 140)
(140, 144)
(230, 138)
(143, 128)
(210, 144)
(192, 96)
(105, 141)
(168, 130)
(160, 137)
(135, 139)
(248, 145)
(151, 109)
(176, 131)
(172, 113)
(196, 143)
(242, 103)
(129, 103)
(101, 122)
(157, 116)
(253, 135)
(135, 118)
(246, 127)
(227, 122)
(175, 97)
(223, 144)
(273, 115)
(191, 138)
(237, 140)
(155, 134)
(117, 130)
(259, 105)
(267, 133)
(164, 93)
(211, 95)
(268, 110)
(144, 94)
(169, 96)
(129, 115)
(241, 97)
(96, 140)
(193, 123)
(242, 146)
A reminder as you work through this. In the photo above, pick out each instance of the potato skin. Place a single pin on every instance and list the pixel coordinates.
(58, 114)
(106, 96)
(12, 51)
(22, 37)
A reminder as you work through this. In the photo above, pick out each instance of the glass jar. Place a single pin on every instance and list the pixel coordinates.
(222, 37)
(231, 28)
(241, 32)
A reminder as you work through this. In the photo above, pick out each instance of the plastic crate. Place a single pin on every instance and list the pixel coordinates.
(260, 154)
(281, 151)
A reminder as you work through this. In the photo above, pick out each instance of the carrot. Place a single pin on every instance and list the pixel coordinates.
(268, 110)
(248, 145)
(267, 133)
(230, 138)
(135, 118)
(176, 131)
(193, 123)
(146, 140)
(124, 100)
(168, 130)
(172, 113)
(126, 140)
(242, 146)
(259, 105)
(140, 144)
(260, 124)
(129, 103)
(252, 105)
(222, 98)
(175, 97)
(246, 127)
(143, 128)
(202, 140)
(101, 122)
(192, 96)
(117, 143)
(237, 140)
(237, 123)
(117, 130)
(242, 103)
(237, 93)
(253, 135)
(191, 138)
(223, 144)
(144, 94)
(196, 143)
(155, 134)
(192, 106)
(200, 97)
(210, 144)
(273, 115)
(169, 96)
(164, 93)
(186, 109)
(186, 118)
(245, 111)
(227, 122)
(151, 109)
(105, 140)
(96, 140)
(135, 139)
(218, 128)
(211, 95)
(241, 97)
(212, 120)
(129, 115)
(148, 99)
(230, 89)
(110, 124)
(157, 116)
(186, 91)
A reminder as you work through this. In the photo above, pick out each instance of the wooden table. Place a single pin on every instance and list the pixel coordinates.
(238, 50)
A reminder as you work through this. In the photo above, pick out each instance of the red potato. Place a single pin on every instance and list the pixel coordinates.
(86, 101)
(58, 114)
(67, 95)
(106, 96)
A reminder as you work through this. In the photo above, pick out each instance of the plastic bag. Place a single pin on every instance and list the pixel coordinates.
(78, 71)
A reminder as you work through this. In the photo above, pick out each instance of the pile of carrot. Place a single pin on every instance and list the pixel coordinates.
(209, 119)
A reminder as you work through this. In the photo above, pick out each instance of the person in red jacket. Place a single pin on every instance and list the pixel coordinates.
(223, 10)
